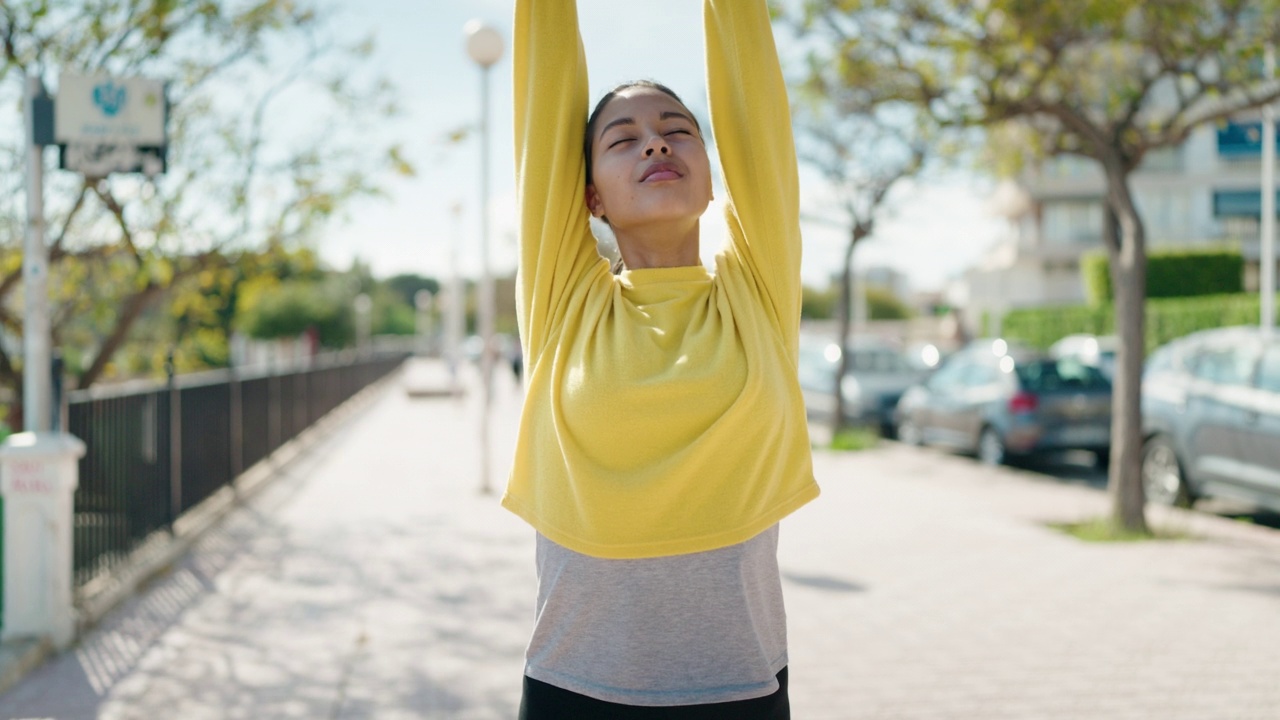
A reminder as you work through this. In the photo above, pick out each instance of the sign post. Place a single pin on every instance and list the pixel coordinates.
(102, 126)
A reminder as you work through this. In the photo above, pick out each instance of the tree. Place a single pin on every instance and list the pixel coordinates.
(246, 168)
(289, 309)
(864, 140)
(1109, 80)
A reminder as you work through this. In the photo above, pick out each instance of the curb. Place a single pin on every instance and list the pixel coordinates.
(19, 657)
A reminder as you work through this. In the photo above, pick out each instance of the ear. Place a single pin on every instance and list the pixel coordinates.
(595, 203)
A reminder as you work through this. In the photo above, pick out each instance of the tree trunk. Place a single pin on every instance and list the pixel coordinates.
(844, 325)
(129, 314)
(1126, 245)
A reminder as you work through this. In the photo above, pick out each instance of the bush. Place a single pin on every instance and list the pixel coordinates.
(1170, 274)
(818, 304)
(293, 307)
(1167, 319)
(884, 305)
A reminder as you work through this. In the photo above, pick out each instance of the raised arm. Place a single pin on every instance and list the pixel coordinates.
(752, 123)
(556, 245)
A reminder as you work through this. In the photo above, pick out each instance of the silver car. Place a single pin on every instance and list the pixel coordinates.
(877, 376)
(1211, 418)
(999, 401)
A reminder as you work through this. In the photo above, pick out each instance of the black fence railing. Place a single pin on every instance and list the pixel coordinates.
(155, 450)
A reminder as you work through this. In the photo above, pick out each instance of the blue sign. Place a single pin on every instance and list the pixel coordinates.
(109, 97)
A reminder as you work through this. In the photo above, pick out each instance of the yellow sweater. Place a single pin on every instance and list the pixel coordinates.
(663, 414)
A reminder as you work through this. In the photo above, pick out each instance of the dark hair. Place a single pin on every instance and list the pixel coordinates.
(595, 114)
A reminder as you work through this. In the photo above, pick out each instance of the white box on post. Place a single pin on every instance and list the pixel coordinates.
(38, 477)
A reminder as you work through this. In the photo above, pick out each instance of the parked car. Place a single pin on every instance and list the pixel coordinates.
(1211, 418)
(1000, 401)
(877, 375)
(1096, 350)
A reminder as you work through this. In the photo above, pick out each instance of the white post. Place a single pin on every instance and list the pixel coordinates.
(36, 377)
(364, 323)
(484, 45)
(38, 478)
(1268, 225)
(457, 302)
(422, 300)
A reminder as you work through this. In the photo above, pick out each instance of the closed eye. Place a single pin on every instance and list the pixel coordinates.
(618, 142)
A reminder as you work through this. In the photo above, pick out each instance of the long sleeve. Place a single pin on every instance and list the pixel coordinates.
(751, 119)
(556, 245)
(662, 411)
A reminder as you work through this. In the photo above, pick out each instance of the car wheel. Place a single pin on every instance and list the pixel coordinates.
(1162, 479)
(909, 433)
(991, 447)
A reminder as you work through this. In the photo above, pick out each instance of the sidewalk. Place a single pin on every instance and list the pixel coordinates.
(373, 580)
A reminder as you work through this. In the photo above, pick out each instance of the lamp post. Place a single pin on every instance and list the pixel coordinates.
(453, 327)
(423, 301)
(484, 46)
(1268, 224)
(364, 326)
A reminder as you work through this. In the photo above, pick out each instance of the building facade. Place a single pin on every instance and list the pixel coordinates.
(1204, 193)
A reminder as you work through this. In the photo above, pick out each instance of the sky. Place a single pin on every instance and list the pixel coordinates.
(933, 230)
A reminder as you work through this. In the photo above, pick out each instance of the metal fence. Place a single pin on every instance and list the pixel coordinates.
(155, 450)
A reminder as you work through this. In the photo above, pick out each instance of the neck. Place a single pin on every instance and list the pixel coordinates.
(659, 246)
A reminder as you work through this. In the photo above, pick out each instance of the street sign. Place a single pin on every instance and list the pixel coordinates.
(109, 111)
(95, 160)
(105, 124)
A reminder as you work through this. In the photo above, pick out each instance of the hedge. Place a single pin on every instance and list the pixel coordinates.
(1167, 319)
(1171, 274)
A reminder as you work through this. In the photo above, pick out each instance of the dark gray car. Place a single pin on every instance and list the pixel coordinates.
(1211, 418)
(877, 375)
(998, 401)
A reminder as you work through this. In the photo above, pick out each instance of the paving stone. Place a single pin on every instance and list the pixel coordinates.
(372, 579)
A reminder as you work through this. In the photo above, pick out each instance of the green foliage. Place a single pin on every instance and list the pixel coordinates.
(818, 304)
(859, 438)
(293, 308)
(407, 285)
(1167, 319)
(884, 305)
(163, 257)
(1106, 530)
(395, 318)
(1095, 269)
(1184, 273)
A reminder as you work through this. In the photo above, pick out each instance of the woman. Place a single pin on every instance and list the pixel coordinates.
(663, 434)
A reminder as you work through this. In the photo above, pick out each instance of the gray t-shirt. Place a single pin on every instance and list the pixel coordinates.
(706, 627)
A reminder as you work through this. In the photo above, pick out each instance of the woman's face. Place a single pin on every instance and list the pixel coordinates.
(649, 163)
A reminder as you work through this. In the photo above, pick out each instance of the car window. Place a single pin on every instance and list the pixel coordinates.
(1226, 365)
(814, 370)
(948, 376)
(1269, 370)
(1060, 375)
(980, 374)
(877, 361)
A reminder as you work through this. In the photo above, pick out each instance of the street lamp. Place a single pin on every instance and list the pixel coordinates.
(364, 307)
(423, 300)
(484, 46)
(1268, 224)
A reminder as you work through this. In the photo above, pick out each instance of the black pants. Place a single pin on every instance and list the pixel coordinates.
(548, 702)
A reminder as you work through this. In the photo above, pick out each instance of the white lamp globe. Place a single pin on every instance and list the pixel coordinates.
(484, 44)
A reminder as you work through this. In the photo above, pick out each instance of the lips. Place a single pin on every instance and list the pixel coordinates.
(661, 171)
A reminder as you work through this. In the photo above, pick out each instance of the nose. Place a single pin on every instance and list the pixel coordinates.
(657, 144)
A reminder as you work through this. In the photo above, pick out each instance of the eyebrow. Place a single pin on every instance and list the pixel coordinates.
(666, 115)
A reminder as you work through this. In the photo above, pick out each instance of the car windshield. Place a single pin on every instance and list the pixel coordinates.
(1058, 375)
